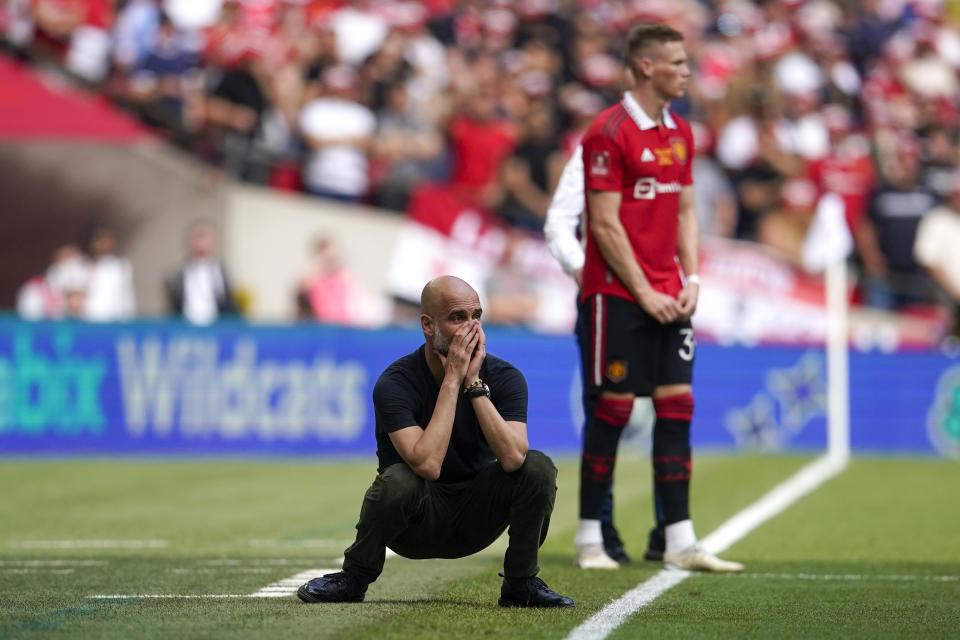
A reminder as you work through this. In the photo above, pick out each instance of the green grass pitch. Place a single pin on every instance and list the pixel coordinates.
(875, 552)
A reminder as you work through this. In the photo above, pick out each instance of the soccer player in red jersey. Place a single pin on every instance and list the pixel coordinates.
(637, 339)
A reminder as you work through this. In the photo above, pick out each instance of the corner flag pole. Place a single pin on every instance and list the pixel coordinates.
(838, 371)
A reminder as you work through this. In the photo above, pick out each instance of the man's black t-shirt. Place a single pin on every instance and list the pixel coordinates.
(406, 394)
(896, 214)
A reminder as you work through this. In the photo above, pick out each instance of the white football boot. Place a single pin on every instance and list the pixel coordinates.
(696, 558)
(593, 556)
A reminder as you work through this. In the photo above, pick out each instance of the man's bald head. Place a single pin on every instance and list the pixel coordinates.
(445, 304)
(439, 292)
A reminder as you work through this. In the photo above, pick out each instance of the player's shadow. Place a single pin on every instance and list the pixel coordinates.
(443, 601)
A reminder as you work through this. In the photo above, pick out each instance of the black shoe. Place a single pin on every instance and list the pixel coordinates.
(612, 543)
(333, 587)
(656, 545)
(530, 592)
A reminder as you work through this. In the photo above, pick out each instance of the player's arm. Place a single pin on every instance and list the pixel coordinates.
(517, 180)
(927, 253)
(507, 439)
(942, 277)
(563, 218)
(424, 449)
(615, 247)
(688, 250)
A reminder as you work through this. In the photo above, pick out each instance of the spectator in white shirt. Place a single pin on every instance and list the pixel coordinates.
(339, 130)
(200, 290)
(110, 286)
(935, 248)
(60, 291)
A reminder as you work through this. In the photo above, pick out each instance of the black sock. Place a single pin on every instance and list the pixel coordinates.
(671, 458)
(600, 440)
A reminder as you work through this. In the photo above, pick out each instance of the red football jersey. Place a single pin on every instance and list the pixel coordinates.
(848, 170)
(625, 150)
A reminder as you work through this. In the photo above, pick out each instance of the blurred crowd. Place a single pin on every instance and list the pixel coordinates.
(92, 283)
(368, 100)
(95, 283)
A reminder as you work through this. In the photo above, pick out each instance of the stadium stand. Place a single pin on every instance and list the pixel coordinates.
(475, 105)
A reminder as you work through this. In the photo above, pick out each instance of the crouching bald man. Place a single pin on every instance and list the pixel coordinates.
(455, 469)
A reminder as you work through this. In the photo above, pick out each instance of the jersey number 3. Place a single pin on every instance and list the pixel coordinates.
(686, 349)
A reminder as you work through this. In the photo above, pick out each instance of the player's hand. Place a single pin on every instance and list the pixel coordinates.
(665, 309)
(461, 349)
(577, 276)
(479, 353)
(688, 299)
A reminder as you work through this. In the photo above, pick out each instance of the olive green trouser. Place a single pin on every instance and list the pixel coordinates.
(421, 519)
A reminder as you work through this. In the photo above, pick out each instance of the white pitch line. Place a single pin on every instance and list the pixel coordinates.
(314, 543)
(850, 577)
(289, 586)
(279, 589)
(52, 563)
(24, 570)
(88, 544)
(223, 562)
(164, 595)
(602, 623)
(212, 570)
(774, 502)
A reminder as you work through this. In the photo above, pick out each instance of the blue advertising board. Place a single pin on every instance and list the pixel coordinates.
(168, 388)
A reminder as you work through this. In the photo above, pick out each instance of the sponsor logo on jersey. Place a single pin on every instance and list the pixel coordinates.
(664, 157)
(648, 188)
(617, 370)
(600, 163)
(678, 147)
(647, 155)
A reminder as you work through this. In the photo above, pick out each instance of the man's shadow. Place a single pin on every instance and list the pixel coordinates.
(444, 601)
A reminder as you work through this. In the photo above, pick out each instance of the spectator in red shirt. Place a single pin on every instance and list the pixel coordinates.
(480, 141)
(848, 169)
(77, 30)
